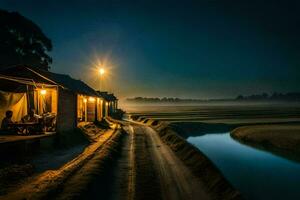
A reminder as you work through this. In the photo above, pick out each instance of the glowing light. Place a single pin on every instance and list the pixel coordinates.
(101, 71)
(84, 100)
(43, 92)
(91, 99)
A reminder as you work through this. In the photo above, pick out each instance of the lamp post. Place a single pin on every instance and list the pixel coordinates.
(101, 72)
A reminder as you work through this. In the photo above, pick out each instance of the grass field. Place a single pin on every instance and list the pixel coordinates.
(219, 113)
(279, 139)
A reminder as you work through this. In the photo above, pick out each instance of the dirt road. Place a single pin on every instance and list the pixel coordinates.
(175, 181)
(133, 164)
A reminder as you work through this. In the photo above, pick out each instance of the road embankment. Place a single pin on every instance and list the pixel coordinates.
(93, 178)
(212, 179)
(283, 140)
(74, 179)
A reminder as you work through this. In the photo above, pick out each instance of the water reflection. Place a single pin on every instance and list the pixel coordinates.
(257, 174)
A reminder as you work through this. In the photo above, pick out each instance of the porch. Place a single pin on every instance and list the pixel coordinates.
(4, 139)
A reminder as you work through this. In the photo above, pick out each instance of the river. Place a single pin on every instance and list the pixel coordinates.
(255, 173)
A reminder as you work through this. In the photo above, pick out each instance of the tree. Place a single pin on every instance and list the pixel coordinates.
(22, 42)
(240, 97)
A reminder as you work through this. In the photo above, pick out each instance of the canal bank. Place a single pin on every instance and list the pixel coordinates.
(213, 182)
(256, 173)
(200, 165)
(279, 139)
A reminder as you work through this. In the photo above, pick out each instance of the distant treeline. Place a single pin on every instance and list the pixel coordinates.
(291, 96)
(162, 100)
(255, 97)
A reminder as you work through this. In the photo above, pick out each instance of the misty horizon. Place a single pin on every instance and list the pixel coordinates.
(264, 95)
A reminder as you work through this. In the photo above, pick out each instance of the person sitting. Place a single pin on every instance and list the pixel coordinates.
(49, 121)
(7, 121)
(31, 117)
(6, 125)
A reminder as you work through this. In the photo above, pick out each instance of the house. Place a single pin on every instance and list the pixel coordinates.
(113, 105)
(110, 104)
(70, 101)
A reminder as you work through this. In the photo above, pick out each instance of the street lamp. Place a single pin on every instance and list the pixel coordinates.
(101, 72)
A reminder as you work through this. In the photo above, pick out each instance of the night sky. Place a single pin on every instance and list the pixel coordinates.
(195, 49)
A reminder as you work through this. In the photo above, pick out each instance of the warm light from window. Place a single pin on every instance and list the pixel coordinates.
(91, 99)
(43, 92)
(84, 100)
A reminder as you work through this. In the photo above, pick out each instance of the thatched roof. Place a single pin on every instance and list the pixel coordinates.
(38, 76)
(107, 96)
